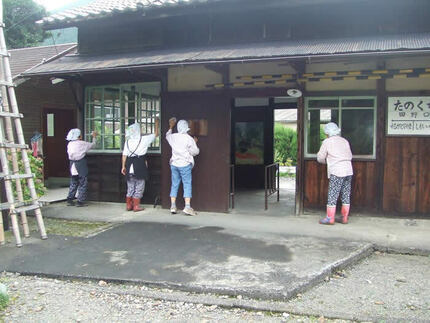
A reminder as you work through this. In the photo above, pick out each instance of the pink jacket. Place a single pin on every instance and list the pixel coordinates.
(335, 151)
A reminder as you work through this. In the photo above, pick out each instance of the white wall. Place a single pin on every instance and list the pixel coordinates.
(191, 78)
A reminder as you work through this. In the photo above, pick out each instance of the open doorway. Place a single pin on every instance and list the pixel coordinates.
(285, 148)
(253, 157)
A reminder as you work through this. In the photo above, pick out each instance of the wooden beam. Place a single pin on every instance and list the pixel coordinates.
(299, 66)
(76, 95)
(222, 69)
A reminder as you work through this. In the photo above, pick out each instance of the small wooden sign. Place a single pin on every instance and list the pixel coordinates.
(198, 128)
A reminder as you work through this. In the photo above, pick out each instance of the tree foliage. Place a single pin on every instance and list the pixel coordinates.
(20, 18)
(285, 145)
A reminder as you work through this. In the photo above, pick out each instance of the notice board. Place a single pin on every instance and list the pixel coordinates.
(408, 116)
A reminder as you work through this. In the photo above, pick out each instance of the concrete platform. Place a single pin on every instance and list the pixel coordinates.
(53, 195)
(259, 256)
(191, 258)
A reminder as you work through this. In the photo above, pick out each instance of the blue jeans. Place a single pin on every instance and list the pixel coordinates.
(178, 174)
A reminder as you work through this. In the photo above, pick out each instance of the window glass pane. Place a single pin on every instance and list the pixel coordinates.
(112, 142)
(358, 129)
(94, 111)
(108, 127)
(111, 109)
(315, 123)
(108, 110)
(111, 94)
(50, 124)
(94, 125)
(112, 127)
(89, 138)
(95, 95)
(323, 103)
(358, 103)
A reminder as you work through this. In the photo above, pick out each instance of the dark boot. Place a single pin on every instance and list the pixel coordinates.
(136, 207)
(329, 219)
(129, 203)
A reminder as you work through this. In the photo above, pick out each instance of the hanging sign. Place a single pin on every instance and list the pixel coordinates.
(408, 116)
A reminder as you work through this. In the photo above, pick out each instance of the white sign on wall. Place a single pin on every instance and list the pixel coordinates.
(408, 116)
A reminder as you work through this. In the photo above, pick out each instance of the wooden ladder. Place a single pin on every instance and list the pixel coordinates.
(10, 120)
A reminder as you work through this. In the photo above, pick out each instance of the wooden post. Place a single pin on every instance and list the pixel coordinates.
(300, 156)
(380, 137)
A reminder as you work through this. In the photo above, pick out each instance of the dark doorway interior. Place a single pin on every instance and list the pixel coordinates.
(251, 144)
(252, 149)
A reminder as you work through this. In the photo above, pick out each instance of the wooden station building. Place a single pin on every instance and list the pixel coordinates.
(227, 65)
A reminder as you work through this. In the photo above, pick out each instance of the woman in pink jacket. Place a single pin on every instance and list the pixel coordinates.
(336, 153)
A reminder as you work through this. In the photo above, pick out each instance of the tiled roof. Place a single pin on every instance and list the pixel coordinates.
(237, 52)
(25, 58)
(101, 8)
(106, 8)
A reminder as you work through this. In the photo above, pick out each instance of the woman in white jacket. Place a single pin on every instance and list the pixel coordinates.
(184, 148)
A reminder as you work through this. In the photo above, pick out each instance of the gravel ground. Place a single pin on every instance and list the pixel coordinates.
(383, 286)
(36, 299)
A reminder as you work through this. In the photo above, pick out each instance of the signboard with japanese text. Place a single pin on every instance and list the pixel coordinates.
(408, 116)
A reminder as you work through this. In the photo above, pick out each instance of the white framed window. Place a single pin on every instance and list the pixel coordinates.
(355, 116)
(110, 109)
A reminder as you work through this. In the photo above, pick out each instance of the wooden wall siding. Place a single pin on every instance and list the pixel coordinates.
(315, 184)
(424, 176)
(406, 180)
(364, 193)
(37, 94)
(363, 196)
(211, 174)
(107, 184)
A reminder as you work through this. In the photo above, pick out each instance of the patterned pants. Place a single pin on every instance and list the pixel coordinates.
(336, 186)
(79, 184)
(135, 187)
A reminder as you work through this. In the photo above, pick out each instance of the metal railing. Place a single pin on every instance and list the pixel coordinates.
(231, 194)
(271, 182)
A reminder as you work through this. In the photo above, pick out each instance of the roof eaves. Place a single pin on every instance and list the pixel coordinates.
(50, 59)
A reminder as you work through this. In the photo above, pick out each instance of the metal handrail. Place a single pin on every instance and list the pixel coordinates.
(271, 182)
(231, 194)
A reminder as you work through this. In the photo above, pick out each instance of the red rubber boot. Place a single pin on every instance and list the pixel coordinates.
(329, 219)
(129, 203)
(345, 212)
(136, 207)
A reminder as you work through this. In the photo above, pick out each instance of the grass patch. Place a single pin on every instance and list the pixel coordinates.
(62, 227)
(286, 174)
(4, 297)
(4, 301)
